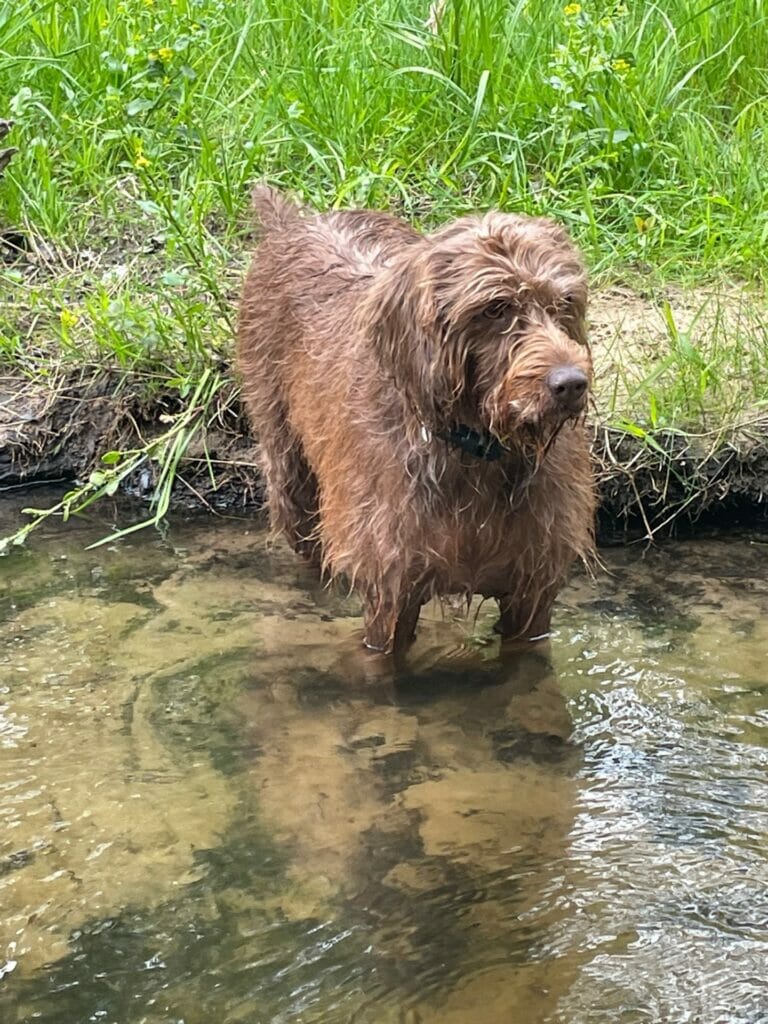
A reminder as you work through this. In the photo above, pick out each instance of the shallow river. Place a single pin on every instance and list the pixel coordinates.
(215, 810)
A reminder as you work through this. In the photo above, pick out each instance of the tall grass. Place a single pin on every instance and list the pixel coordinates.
(644, 126)
(141, 125)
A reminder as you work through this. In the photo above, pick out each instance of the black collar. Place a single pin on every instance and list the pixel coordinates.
(480, 445)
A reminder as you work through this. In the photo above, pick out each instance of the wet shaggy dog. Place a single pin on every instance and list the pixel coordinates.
(419, 404)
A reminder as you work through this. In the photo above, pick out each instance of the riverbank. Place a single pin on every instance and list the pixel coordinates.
(64, 423)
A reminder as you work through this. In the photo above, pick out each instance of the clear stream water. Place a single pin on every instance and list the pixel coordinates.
(215, 811)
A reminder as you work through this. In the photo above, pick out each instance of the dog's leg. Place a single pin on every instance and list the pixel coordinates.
(390, 625)
(405, 629)
(380, 619)
(522, 619)
(291, 493)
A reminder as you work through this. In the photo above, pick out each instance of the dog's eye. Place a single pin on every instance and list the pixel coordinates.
(496, 310)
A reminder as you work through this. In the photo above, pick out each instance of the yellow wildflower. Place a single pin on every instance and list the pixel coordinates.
(103, 23)
(621, 66)
(165, 53)
(141, 161)
(571, 10)
(152, 55)
(68, 318)
(166, 81)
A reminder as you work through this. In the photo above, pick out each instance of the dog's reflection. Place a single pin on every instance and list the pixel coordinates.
(512, 682)
(442, 792)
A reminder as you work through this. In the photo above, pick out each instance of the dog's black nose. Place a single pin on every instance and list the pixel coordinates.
(568, 385)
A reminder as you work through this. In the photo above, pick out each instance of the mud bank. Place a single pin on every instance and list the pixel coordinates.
(57, 432)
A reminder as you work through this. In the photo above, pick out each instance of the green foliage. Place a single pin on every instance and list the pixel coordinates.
(643, 126)
(141, 125)
(166, 451)
(706, 379)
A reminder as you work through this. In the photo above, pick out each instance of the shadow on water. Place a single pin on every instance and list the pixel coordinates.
(216, 810)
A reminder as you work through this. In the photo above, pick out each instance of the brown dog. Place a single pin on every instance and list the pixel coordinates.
(419, 402)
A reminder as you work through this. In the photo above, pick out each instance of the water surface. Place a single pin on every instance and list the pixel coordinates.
(215, 809)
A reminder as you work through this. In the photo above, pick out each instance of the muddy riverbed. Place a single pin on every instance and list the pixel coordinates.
(214, 808)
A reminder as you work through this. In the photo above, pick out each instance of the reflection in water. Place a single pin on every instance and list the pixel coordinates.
(431, 808)
(216, 809)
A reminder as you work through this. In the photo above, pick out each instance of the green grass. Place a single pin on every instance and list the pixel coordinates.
(142, 124)
(693, 363)
(644, 129)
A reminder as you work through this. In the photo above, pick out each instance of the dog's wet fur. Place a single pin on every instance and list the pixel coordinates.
(365, 350)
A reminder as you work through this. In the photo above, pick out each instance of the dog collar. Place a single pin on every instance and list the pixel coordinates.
(479, 445)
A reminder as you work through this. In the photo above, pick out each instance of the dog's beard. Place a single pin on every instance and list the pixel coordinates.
(495, 383)
(532, 422)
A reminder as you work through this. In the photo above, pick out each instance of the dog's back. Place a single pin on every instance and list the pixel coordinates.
(306, 278)
(296, 345)
(350, 243)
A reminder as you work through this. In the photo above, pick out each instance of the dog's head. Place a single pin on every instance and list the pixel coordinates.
(484, 324)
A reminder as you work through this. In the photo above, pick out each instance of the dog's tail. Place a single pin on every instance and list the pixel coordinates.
(273, 211)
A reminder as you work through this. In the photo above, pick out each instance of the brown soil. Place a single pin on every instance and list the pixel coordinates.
(629, 333)
(694, 479)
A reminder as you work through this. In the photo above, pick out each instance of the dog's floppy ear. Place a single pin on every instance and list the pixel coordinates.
(399, 316)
